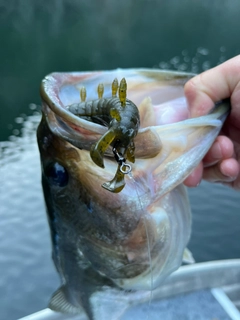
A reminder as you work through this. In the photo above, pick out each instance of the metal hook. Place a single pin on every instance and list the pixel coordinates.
(124, 167)
(127, 169)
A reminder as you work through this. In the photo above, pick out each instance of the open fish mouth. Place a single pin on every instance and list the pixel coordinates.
(59, 90)
(109, 126)
(135, 235)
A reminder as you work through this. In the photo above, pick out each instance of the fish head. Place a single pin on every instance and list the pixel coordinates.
(136, 237)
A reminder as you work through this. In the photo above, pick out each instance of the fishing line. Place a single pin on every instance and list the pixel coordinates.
(130, 175)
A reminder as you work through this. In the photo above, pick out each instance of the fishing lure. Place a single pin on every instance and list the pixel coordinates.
(121, 116)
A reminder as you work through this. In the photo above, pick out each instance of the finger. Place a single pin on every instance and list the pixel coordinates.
(222, 148)
(230, 168)
(213, 85)
(195, 177)
(225, 171)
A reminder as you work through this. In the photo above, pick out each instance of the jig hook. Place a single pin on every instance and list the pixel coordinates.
(125, 168)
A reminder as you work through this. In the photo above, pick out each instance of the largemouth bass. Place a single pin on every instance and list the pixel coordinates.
(113, 245)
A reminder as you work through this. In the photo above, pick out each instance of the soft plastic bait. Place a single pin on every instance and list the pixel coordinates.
(121, 116)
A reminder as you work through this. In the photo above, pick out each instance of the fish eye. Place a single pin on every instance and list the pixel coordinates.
(56, 174)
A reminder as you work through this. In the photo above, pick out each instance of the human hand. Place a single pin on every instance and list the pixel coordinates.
(222, 162)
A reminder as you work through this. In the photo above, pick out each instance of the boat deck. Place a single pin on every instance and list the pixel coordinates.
(204, 291)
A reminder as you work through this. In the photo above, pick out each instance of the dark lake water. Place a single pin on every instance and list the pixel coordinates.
(38, 37)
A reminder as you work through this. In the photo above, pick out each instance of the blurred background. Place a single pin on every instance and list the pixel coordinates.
(39, 37)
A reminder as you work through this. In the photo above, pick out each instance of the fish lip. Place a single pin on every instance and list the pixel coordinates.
(50, 94)
(55, 109)
(52, 84)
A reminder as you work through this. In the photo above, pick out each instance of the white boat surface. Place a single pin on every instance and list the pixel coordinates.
(202, 291)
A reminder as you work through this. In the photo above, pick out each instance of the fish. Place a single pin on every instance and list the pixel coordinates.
(113, 247)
